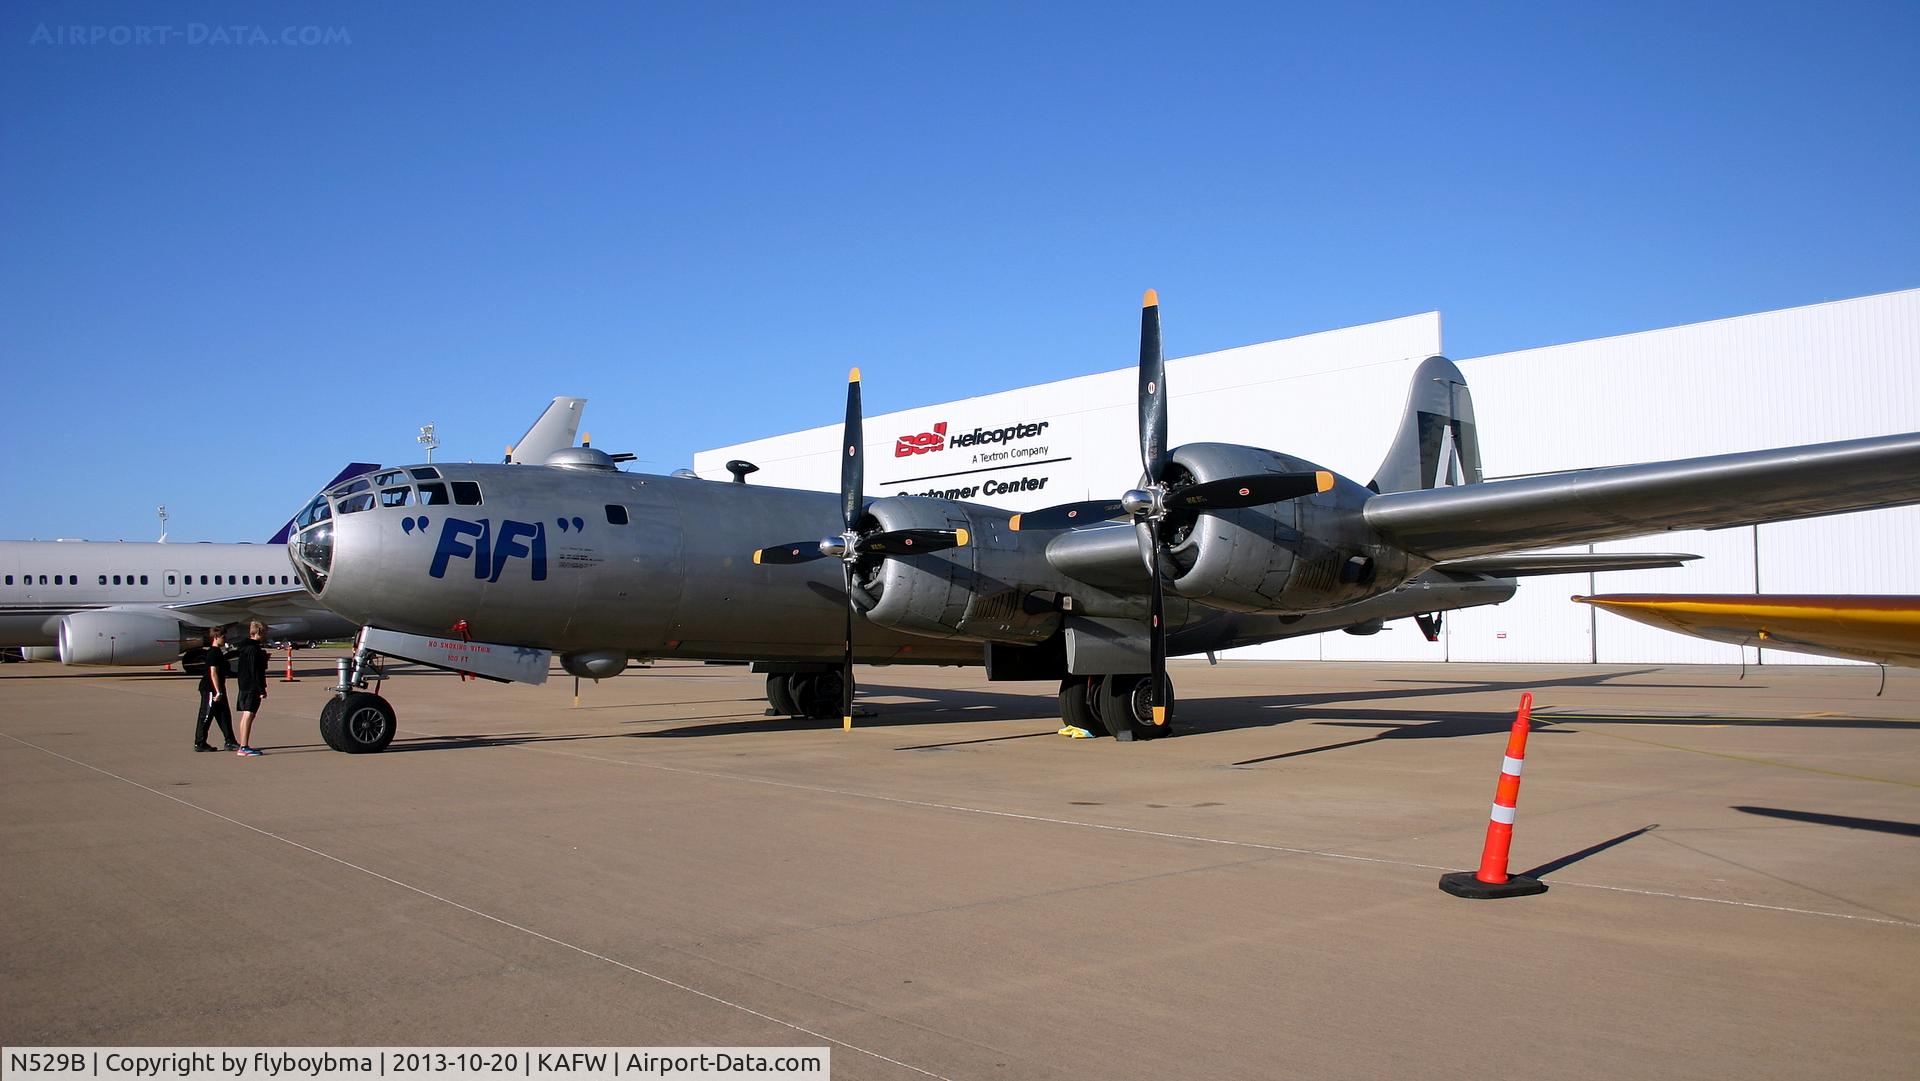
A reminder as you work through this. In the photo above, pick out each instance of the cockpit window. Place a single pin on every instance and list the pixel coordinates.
(425, 472)
(616, 514)
(433, 495)
(466, 493)
(391, 476)
(354, 504)
(316, 511)
(350, 487)
(395, 497)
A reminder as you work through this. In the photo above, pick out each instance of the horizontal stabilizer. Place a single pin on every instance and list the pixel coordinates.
(1526, 564)
(1617, 502)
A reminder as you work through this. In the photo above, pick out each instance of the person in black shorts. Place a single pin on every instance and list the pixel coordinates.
(250, 672)
(213, 694)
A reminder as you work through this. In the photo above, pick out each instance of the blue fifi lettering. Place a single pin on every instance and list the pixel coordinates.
(452, 547)
(488, 552)
(509, 546)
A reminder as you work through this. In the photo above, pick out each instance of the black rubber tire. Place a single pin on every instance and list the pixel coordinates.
(363, 724)
(1123, 705)
(780, 695)
(330, 724)
(1077, 694)
(818, 695)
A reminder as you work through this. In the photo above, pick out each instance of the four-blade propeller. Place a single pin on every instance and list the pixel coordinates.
(850, 546)
(1149, 505)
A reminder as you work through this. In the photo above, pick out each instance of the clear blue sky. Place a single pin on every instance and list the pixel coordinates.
(227, 267)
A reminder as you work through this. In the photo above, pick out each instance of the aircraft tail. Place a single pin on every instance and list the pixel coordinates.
(553, 431)
(353, 469)
(1437, 445)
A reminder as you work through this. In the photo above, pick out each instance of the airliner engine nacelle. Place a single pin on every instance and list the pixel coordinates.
(1300, 555)
(975, 591)
(111, 637)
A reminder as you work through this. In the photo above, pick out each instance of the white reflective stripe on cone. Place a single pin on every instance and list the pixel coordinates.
(1503, 814)
(1510, 765)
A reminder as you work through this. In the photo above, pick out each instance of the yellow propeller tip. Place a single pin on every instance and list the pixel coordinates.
(1151, 300)
(959, 538)
(1013, 523)
(1323, 481)
(756, 556)
(1159, 716)
(853, 376)
(846, 724)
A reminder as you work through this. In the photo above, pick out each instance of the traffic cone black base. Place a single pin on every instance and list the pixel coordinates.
(1465, 884)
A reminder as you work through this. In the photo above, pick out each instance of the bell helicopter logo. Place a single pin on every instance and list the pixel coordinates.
(923, 443)
(489, 550)
(927, 442)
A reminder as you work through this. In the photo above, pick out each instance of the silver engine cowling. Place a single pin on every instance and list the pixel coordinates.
(970, 592)
(1301, 555)
(119, 638)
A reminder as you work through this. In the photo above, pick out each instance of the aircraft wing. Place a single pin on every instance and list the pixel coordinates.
(288, 611)
(1881, 629)
(1631, 500)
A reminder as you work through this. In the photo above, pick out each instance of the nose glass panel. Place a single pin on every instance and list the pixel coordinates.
(312, 550)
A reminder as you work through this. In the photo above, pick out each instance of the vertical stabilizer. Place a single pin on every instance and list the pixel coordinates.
(1437, 445)
(553, 431)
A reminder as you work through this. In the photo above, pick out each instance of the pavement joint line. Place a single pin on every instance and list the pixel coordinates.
(1197, 838)
(1749, 759)
(582, 950)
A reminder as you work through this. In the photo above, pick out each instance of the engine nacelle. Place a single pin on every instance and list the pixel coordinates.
(594, 663)
(119, 638)
(39, 653)
(984, 590)
(1301, 555)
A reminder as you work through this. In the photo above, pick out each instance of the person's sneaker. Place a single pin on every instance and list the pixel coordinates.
(203, 747)
(247, 752)
(227, 747)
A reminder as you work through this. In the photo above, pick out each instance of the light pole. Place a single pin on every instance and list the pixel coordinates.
(163, 522)
(428, 440)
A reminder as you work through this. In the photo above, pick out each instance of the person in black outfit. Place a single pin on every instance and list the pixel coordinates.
(251, 674)
(213, 694)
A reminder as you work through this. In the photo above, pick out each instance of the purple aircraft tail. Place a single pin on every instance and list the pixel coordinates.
(353, 469)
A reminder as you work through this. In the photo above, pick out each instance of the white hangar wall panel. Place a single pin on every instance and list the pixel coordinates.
(1841, 370)
(1077, 438)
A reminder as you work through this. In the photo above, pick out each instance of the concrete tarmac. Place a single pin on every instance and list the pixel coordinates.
(954, 891)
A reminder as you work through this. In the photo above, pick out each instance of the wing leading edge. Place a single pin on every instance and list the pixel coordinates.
(1632, 500)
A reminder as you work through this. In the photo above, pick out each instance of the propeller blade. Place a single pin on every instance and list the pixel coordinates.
(851, 479)
(1068, 514)
(1253, 490)
(846, 658)
(798, 552)
(1156, 626)
(1153, 390)
(909, 542)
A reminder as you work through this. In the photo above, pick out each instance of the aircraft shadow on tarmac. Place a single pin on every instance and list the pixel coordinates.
(1874, 825)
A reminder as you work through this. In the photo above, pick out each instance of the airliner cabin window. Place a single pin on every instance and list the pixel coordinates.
(466, 493)
(116, 579)
(433, 495)
(216, 580)
(203, 579)
(57, 581)
(103, 579)
(143, 579)
(616, 514)
(170, 580)
(395, 497)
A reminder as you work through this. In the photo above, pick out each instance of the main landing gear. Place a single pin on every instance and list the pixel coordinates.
(815, 695)
(356, 720)
(1116, 704)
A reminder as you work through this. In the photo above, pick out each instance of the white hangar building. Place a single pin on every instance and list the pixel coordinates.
(1841, 370)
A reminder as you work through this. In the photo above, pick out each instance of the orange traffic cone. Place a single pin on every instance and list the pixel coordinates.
(1492, 879)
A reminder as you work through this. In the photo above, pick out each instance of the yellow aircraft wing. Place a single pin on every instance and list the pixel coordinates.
(1881, 629)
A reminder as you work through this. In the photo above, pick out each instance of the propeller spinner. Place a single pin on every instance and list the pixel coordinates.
(851, 545)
